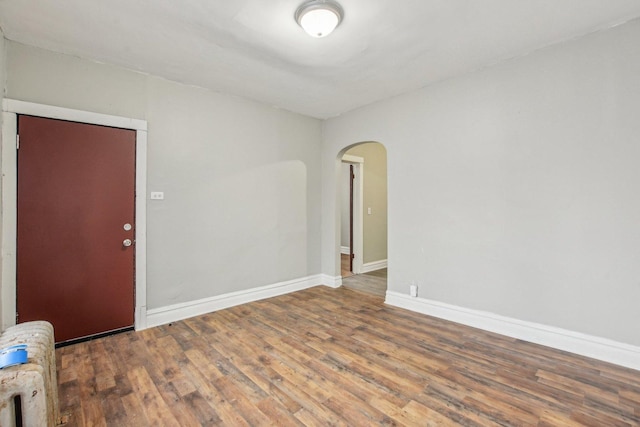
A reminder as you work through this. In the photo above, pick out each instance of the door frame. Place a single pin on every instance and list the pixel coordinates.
(11, 108)
(358, 210)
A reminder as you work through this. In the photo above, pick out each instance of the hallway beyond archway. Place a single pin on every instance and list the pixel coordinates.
(363, 217)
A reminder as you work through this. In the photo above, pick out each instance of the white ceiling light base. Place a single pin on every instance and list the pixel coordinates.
(319, 17)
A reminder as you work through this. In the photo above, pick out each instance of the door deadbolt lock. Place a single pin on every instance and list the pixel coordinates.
(127, 227)
(126, 243)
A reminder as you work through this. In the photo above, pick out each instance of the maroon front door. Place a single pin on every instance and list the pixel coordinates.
(76, 194)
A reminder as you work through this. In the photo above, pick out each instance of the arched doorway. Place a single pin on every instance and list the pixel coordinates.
(363, 217)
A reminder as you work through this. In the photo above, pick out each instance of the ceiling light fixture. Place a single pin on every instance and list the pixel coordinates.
(319, 17)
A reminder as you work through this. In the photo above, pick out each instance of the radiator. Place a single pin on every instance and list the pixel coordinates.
(34, 384)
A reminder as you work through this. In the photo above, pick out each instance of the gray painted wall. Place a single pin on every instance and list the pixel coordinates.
(3, 68)
(514, 189)
(241, 179)
(511, 190)
(3, 65)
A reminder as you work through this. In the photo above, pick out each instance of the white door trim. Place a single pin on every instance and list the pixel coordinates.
(358, 211)
(10, 110)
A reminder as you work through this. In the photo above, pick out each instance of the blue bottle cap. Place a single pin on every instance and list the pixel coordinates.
(14, 355)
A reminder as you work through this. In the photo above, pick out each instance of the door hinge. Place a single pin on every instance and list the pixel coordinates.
(353, 256)
(17, 142)
(17, 317)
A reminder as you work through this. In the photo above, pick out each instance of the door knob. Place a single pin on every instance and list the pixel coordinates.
(126, 243)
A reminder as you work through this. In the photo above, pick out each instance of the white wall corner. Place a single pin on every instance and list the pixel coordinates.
(561, 339)
(373, 266)
(345, 250)
(141, 318)
(9, 194)
(175, 312)
(331, 281)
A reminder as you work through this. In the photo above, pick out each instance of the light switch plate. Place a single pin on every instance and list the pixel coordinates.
(157, 195)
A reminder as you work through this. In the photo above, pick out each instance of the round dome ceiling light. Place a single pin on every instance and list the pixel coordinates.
(319, 17)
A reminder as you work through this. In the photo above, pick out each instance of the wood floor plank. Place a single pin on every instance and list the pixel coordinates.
(200, 411)
(136, 414)
(154, 408)
(176, 403)
(335, 357)
(223, 409)
(276, 414)
(241, 402)
(114, 410)
(92, 409)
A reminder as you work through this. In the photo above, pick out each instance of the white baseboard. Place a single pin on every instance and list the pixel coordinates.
(173, 313)
(562, 339)
(332, 282)
(373, 266)
(345, 250)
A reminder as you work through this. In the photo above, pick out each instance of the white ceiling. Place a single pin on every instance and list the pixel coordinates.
(255, 49)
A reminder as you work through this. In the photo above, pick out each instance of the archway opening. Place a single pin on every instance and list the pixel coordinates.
(363, 217)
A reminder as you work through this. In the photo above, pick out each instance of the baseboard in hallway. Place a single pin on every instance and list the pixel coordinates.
(374, 266)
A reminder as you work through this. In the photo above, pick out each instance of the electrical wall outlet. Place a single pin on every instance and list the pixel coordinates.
(413, 290)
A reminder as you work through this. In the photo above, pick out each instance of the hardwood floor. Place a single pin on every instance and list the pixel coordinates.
(374, 282)
(345, 268)
(335, 357)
